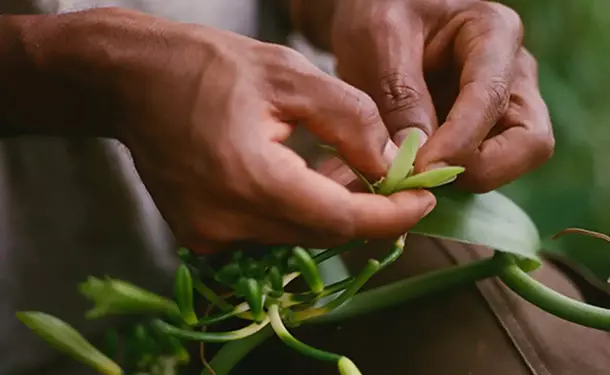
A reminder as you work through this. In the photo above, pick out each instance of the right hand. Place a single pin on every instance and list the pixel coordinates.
(205, 113)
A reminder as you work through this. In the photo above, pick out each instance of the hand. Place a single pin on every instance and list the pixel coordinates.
(204, 114)
(458, 63)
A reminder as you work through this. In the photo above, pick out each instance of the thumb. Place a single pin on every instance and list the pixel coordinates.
(395, 80)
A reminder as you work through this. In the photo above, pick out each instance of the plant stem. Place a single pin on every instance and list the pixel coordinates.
(291, 341)
(397, 249)
(369, 270)
(211, 296)
(584, 232)
(553, 302)
(237, 311)
(174, 331)
(232, 353)
(411, 288)
(321, 257)
(329, 290)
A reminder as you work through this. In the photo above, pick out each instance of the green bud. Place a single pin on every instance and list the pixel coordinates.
(347, 367)
(402, 164)
(63, 337)
(252, 292)
(113, 296)
(183, 290)
(308, 269)
(276, 281)
(229, 274)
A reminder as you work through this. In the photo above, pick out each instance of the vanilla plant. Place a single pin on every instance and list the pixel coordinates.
(257, 295)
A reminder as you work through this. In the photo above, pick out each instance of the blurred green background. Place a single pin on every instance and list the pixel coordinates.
(571, 40)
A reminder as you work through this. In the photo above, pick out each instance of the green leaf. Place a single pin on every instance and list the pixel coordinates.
(66, 339)
(113, 296)
(490, 220)
(401, 165)
(430, 179)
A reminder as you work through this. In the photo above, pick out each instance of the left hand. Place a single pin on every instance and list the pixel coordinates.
(459, 63)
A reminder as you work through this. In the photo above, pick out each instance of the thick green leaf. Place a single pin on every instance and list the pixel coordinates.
(65, 338)
(490, 220)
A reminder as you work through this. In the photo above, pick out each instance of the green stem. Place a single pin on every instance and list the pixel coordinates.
(211, 296)
(291, 341)
(553, 302)
(398, 248)
(369, 270)
(411, 288)
(232, 353)
(174, 331)
(293, 299)
(237, 311)
(321, 257)
(336, 287)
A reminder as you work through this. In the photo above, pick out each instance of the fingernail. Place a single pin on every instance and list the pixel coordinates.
(430, 208)
(402, 135)
(389, 152)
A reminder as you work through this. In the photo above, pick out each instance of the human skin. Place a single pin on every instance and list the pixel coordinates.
(454, 70)
(204, 114)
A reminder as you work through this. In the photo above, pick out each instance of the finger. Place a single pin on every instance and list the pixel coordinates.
(340, 173)
(222, 229)
(485, 49)
(394, 75)
(335, 169)
(525, 135)
(336, 113)
(310, 200)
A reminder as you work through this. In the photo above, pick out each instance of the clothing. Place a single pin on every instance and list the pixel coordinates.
(77, 208)
(73, 208)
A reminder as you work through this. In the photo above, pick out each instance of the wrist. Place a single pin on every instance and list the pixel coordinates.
(51, 81)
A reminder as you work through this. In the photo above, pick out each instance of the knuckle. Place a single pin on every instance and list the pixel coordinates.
(502, 16)
(386, 18)
(286, 56)
(398, 93)
(495, 92)
(358, 106)
(366, 109)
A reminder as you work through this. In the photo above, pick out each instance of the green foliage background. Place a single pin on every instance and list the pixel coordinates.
(571, 40)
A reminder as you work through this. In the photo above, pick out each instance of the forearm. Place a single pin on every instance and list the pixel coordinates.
(313, 18)
(48, 84)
